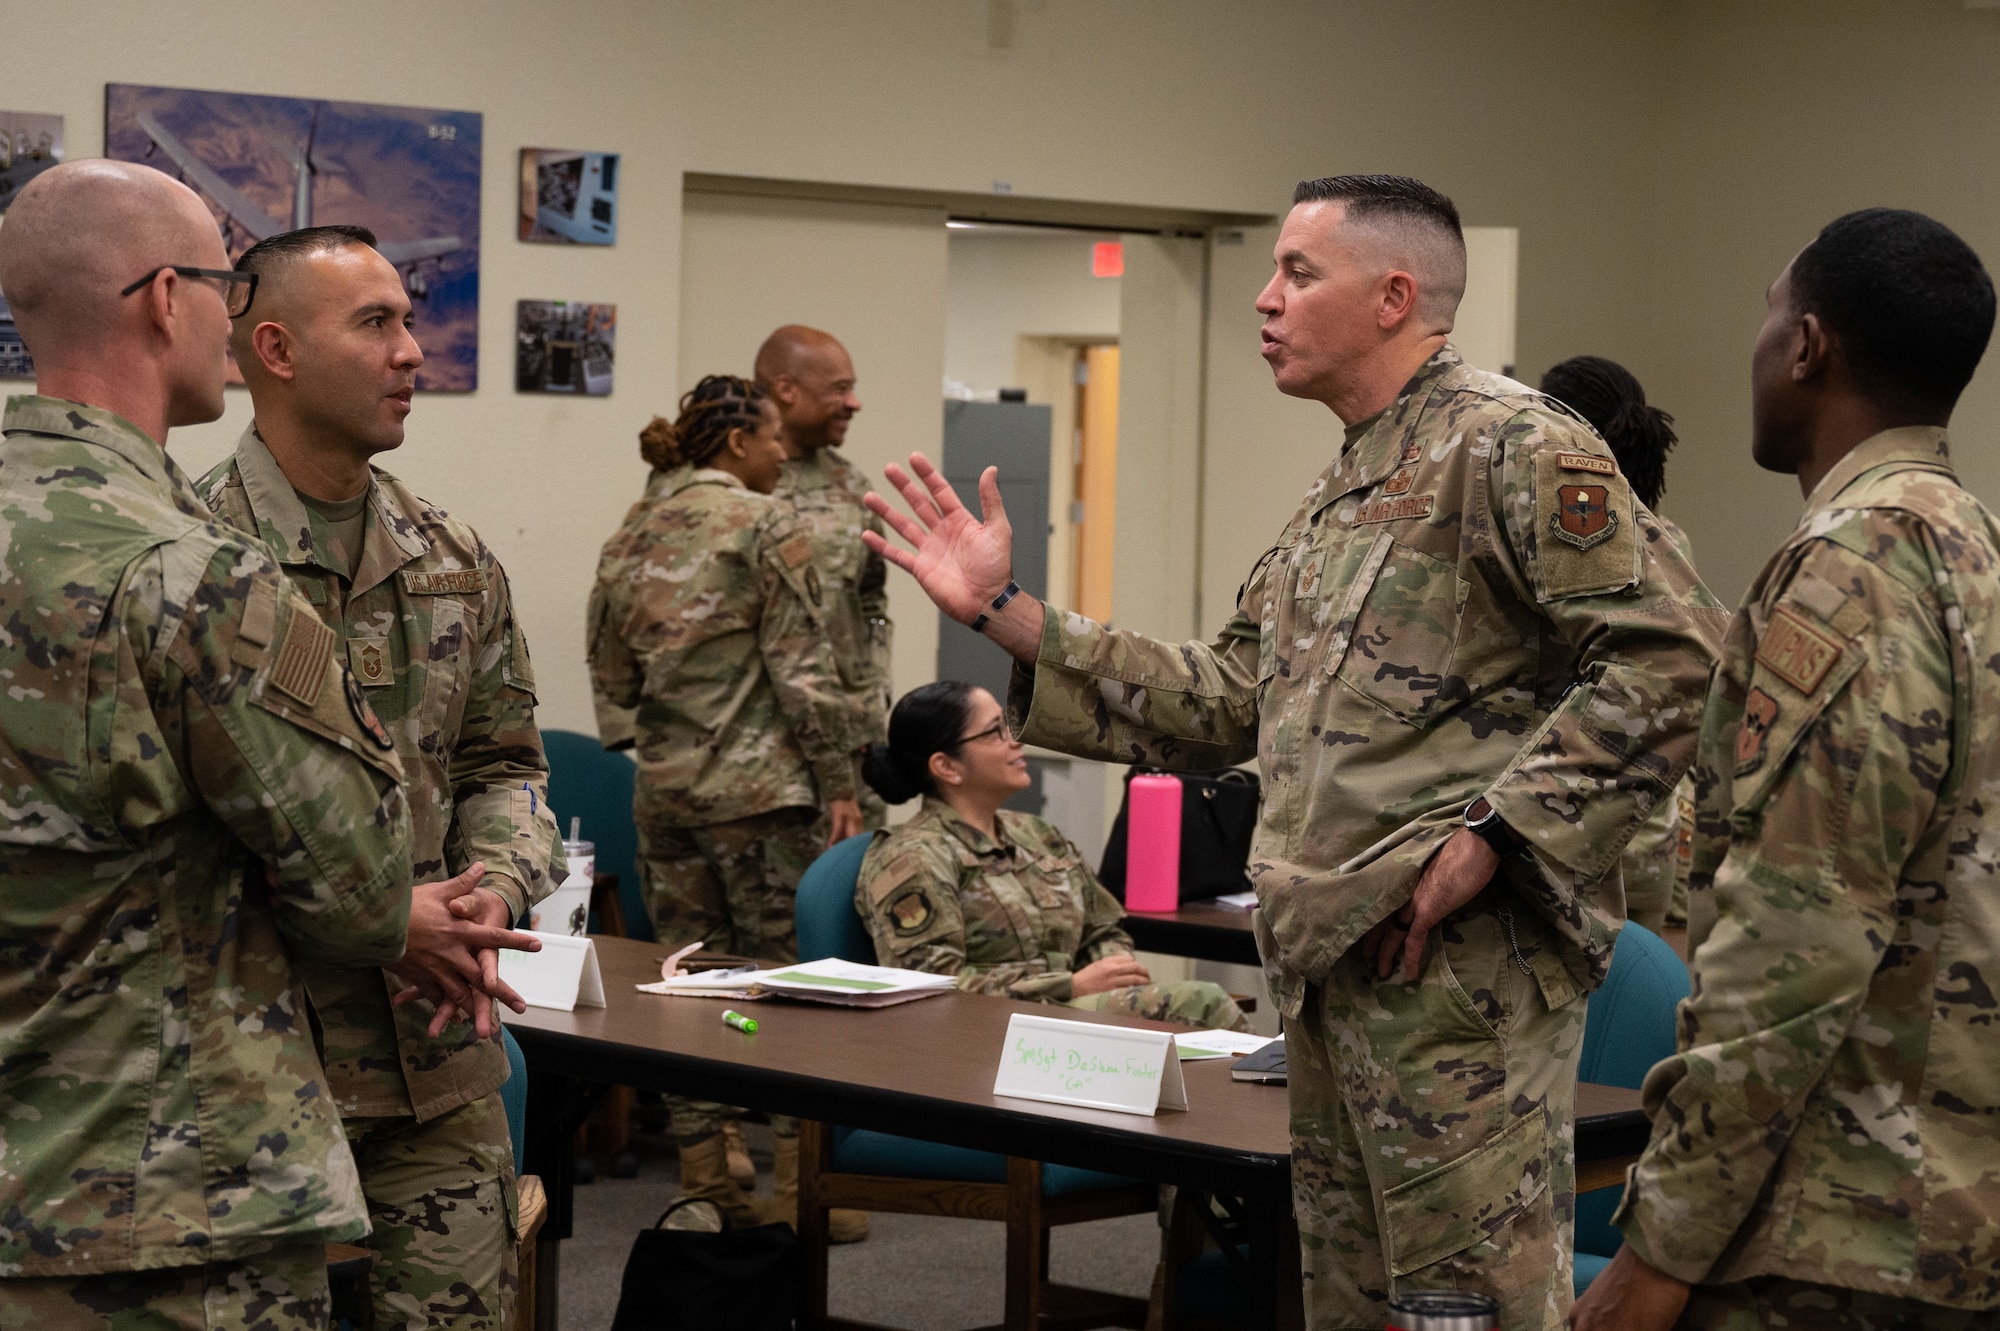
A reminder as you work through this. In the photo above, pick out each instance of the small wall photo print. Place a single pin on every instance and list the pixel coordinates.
(564, 346)
(29, 145)
(569, 197)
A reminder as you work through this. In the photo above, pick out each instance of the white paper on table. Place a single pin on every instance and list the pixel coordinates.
(832, 977)
(1097, 1067)
(1245, 901)
(1218, 1044)
(563, 975)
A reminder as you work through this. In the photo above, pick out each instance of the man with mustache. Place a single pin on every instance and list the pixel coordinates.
(427, 630)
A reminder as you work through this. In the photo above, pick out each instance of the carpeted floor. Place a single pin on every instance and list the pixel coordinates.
(918, 1272)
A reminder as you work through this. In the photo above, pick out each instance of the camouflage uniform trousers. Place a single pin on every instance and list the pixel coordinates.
(283, 1289)
(1774, 1301)
(441, 1200)
(734, 886)
(1431, 1143)
(1202, 1004)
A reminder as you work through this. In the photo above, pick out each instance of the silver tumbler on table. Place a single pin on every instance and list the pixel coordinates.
(1443, 1310)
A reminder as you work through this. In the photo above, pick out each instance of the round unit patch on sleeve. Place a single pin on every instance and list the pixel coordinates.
(912, 912)
(364, 715)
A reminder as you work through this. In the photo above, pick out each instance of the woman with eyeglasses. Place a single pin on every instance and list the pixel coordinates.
(1001, 900)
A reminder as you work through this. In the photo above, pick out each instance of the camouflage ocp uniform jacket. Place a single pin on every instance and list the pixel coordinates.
(1015, 914)
(1833, 1114)
(1655, 862)
(176, 721)
(1469, 601)
(824, 490)
(427, 629)
(703, 618)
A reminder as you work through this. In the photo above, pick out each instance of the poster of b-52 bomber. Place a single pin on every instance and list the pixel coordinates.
(270, 164)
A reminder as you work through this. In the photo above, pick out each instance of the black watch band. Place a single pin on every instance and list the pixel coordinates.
(1008, 593)
(1491, 828)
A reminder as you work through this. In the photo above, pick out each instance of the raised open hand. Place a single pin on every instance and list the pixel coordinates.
(960, 561)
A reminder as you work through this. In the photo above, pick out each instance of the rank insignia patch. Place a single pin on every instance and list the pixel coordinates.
(368, 658)
(1582, 518)
(1795, 651)
(1400, 483)
(912, 912)
(1760, 713)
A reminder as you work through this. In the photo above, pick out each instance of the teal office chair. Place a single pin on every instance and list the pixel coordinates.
(879, 1171)
(588, 783)
(1629, 1027)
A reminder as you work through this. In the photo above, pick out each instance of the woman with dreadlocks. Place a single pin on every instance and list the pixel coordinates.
(1606, 394)
(708, 644)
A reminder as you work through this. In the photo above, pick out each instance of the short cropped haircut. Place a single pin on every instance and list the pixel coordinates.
(1423, 219)
(287, 246)
(1910, 302)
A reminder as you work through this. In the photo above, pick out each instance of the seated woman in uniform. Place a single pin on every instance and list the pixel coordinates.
(1002, 900)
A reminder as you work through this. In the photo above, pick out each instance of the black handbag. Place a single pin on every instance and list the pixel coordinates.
(688, 1280)
(1218, 819)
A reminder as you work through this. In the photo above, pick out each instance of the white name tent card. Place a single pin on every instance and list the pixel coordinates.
(563, 975)
(1092, 1066)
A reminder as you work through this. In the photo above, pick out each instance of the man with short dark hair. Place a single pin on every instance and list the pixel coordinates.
(427, 628)
(1826, 1144)
(1469, 667)
(192, 795)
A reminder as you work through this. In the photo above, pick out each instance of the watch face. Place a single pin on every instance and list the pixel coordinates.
(1478, 812)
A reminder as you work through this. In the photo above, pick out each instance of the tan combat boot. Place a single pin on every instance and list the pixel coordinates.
(842, 1224)
(741, 1167)
(705, 1174)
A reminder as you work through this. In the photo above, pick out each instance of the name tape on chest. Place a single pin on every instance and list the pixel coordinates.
(797, 551)
(1586, 462)
(452, 582)
(1796, 652)
(1394, 510)
(302, 660)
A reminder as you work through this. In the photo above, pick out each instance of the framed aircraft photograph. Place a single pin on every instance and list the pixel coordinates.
(564, 346)
(270, 164)
(569, 197)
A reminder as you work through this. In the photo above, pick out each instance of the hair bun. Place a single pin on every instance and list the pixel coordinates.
(660, 443)
(881, 770)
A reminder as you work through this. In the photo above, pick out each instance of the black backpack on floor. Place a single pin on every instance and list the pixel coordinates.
(690, 1280)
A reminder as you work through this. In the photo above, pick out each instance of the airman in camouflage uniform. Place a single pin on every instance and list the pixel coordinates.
(1015, 915)
(708, 619)
(1468, 618)
(810, 377)
(426, 626)
(1824, 1143)
(191, 789)
(1656, 859)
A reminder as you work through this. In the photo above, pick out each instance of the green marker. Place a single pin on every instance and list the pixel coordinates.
(747, 1025)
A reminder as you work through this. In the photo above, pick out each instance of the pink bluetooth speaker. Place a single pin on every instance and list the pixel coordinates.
(1153, 844)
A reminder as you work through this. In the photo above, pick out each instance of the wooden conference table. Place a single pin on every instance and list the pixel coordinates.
(925, 1069)
(1199, 929)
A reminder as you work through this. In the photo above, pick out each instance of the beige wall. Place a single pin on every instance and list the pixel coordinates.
(1170, 102)
(1776, 118)
(1004, 285)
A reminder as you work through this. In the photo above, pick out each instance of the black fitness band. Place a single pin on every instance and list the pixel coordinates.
(1013, 590)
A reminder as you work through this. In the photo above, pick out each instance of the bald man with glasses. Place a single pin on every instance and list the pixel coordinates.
(192, 792)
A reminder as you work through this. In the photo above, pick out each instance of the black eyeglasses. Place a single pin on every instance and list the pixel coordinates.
(1000, 728)
(238, 289)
